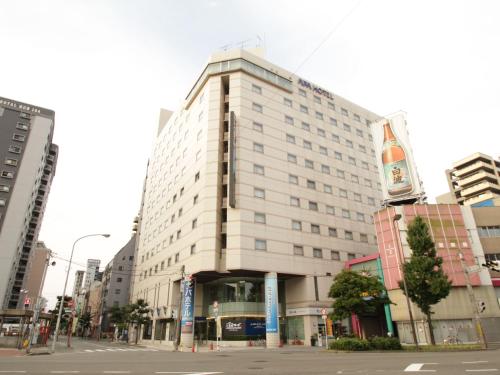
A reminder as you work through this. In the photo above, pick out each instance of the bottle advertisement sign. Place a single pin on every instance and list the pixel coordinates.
(397, 170)
(271, 285)
(187, 307)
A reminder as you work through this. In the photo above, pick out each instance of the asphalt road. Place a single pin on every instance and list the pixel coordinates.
(105, 358)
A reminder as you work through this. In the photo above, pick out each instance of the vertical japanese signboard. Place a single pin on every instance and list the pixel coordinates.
(271, 285)
(187, 306)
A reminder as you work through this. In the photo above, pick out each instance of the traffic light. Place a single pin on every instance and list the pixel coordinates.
(481, 306)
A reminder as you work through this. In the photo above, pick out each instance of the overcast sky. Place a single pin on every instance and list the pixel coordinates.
(106, 67)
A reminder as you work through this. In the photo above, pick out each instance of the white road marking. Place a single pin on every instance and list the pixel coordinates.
(474, 362)
(99, 350)
(187, 372)
(110, 350)
(64, 372)
(14, 371)
(417, 367)
(89, 350)
(116, 372)
(483, 370)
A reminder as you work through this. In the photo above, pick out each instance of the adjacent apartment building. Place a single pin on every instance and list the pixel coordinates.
(260, 175)
(92, 273)
(474, 180)
(28, 161)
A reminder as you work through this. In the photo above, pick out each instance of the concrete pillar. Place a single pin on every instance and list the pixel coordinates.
(187, 322)
(272, 320)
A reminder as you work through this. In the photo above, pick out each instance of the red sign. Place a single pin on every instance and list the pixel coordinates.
(27, 301)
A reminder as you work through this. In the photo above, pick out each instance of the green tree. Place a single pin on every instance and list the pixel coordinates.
(426, 282)
(85, 321)
(137, 314)
(356, 293)
(120, 316)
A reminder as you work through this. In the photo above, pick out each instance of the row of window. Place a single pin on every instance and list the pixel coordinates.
(289, 103)
(161, 266)
(261, 245)
(489, 231)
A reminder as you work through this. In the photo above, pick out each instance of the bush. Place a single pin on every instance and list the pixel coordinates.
(351, 344)
(385, 343)
(357, 344)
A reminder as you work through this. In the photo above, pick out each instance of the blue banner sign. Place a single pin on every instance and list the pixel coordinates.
(187, 306)
(271, 284)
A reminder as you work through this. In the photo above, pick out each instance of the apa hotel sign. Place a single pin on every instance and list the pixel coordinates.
(316, 89)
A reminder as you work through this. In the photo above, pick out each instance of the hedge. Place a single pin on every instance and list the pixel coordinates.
(375, 343)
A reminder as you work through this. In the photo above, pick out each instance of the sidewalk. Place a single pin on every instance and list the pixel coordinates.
(10, 352)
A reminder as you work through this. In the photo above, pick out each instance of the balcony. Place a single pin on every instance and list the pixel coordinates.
(477, 199)
(226, 98)
(471, 168)
(477, 177)
(226, 116)
(226, 136)
(476, 189)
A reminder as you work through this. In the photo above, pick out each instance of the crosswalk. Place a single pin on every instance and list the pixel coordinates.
(119, 350)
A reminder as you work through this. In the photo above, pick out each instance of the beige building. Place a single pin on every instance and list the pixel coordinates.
(473, 180)
(260, 173)
(36, 274)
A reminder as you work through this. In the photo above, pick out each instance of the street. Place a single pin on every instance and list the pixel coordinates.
(90, 357)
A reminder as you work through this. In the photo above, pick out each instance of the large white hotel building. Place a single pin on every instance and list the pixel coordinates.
(259, 173)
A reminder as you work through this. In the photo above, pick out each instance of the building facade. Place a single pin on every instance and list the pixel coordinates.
(37, 270)
(92, 272)
(28, 159)
(474, 180)
(77, 287)
(261, 183)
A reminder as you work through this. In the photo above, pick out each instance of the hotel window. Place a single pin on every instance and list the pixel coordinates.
(364, 164)
(7, 174)
(356, 117)
(198, 136)
(24, 115)
(257, 89)
(156, 268)
(313, 206)
(311, 184)
(335, 138)
(195, 199)
(290, 138)
(347, 127)
(332, 232)
(315, 229)
(325, 169)
(357, 197)
(363, 237)
(257, 127)
(352, 160)
(359, 133)
(258, 147)
(330, 210)
(335, 255)
(321, 132)
(319, 116)
(306, 126)
(304, 109)
(162, 265)
(333, 121)
(354, 179)
(173, 218)
(194, 223)
(257, 107)
(180, 212)
(178, 234)
(338, 155)
(258, 169)
(292, 158)
(343, 193)
(18, 137)
(351, 256)
(260, 218)
(198, 155)
(360, 217)
(323, 150)
(371, 201)
(346, 214)
(309, 164)
(288, 120)
(181, 191)
(307, 145)
(370, 137)
(169, 262)
(331, 106)
(372, 151)
(15, 149)
(260, 244)
(196, 176)
(22, 126)
(348, 143)
(294, 201)
(12, 162)
(287, 102)
(317, 253)
(327, 189)
(340, 174)
(296, 225)
(3, 202)
(317, 99)
(200, 116)
(368, 182)
(293, 179)
(4, 188)
(298, 250)
(302, 93)
(193, 249)
(259, 193)
(176, 260)
(344, 112)
(363, 149)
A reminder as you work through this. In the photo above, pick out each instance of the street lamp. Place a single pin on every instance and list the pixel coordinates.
(66, 283)
(395, 219)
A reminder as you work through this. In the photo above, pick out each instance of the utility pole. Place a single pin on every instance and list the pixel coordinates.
(477, 319)
(179, 312)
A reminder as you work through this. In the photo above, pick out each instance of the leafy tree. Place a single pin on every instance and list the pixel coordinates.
(426, 282)
(64, 317)
(356, 293)
(120, 316)
(137, 314)
(85, 321)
